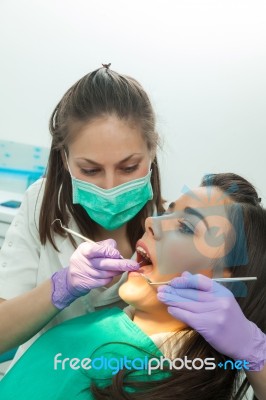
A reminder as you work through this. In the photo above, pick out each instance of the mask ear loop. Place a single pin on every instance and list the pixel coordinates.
(68, 164)
(59, 195)
(60, 188)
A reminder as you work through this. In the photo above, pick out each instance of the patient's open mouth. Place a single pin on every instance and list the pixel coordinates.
(142, 256)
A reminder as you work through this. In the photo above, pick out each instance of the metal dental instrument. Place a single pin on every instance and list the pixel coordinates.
(244, 278)
(78, 234)
(73, 232)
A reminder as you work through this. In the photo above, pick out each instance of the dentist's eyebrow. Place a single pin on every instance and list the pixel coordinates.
(119, 162)
(193, 211)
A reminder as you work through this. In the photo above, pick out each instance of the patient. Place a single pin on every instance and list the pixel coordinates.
(107, 354)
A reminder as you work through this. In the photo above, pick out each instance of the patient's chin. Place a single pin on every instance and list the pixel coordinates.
(136, 290)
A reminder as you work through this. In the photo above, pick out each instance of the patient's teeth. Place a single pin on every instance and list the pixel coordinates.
(143, 252)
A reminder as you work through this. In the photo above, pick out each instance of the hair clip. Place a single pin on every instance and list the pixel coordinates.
(107, 66)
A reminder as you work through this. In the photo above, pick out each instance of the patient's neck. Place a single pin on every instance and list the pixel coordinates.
(156, 323)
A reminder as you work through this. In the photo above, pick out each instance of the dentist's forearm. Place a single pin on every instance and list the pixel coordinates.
(257, 380)
(22, 317)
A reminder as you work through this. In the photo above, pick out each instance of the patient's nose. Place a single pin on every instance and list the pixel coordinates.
(153, 227)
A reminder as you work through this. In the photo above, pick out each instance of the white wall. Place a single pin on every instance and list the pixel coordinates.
(202, 61)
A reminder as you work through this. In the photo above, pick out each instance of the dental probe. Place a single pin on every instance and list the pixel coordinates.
(244, 278)
(73, 232)
(78, 234)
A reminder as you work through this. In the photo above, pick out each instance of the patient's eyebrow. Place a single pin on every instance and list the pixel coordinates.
(193, 211)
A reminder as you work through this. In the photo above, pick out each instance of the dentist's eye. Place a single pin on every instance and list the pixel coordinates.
(89, 172)
(185, 228)
(130, 168)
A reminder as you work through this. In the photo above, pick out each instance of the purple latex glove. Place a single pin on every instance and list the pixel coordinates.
(212, 310)
(91, 266)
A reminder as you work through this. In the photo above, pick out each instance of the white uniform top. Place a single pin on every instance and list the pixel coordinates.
(25, 262)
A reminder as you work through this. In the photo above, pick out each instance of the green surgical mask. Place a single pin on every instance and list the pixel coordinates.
(112, 208)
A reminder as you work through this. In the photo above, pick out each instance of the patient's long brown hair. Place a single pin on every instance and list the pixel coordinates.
(217, 384)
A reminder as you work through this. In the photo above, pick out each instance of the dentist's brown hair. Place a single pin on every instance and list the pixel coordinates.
(101, 92)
